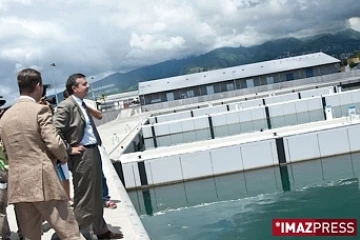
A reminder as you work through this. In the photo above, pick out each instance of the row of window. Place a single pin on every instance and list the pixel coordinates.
(236, 84)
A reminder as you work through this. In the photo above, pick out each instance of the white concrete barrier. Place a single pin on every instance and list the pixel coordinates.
(241, 153)
(221, 123)
(239, 105)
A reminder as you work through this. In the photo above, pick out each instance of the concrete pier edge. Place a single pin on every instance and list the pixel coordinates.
(117, 189)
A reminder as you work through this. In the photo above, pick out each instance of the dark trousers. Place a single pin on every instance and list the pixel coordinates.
(87, 180)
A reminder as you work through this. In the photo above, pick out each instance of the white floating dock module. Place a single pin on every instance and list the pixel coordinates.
(190, 161)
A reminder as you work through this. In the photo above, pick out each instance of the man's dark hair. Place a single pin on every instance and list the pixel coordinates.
(65, 94)
(28, 79)
(71, 82)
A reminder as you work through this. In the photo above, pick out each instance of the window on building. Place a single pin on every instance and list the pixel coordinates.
(289, 76)
(309, 72)
(243, 84)
(263, 81)
(210, 90)
(269, 80)
(155, 98)
(250, 83)
(202, 90)
(170, 96)
(229, 86)
(190, 93)
(218, 87)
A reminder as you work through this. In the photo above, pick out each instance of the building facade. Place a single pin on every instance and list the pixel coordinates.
(236, 78)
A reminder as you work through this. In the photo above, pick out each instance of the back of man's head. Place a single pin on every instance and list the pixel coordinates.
(65, 94)
(28, 79)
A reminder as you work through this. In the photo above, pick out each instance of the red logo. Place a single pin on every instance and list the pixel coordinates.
(314, 227)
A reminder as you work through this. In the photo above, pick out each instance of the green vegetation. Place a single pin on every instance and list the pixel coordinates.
(352, 64)
(336, 45)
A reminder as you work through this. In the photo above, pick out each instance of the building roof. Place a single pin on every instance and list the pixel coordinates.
(122, 96)
(237, 72)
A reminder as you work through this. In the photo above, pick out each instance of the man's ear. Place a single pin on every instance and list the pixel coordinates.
(40, 86)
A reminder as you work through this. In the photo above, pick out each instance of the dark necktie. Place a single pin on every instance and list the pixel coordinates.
(96, 133)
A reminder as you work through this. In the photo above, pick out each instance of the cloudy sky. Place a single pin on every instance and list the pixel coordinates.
(98, 37)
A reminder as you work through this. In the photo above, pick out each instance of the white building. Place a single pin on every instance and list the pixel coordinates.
(236, 78)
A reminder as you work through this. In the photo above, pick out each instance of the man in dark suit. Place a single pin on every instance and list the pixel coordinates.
(32, 146)
(77, 127)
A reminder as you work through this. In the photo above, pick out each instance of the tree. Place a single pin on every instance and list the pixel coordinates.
(344, 62)
(352, 64)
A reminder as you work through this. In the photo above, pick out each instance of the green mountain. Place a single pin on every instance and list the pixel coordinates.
(335, 44)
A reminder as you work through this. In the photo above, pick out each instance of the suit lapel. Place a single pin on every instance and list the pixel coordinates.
(77, 107)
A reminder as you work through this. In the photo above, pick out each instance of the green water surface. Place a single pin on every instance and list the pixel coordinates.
(242, 206)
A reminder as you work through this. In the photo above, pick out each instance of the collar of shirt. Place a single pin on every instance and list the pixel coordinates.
(78, 100)
(27, 97)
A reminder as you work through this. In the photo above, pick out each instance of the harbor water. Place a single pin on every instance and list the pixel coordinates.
(242, 205)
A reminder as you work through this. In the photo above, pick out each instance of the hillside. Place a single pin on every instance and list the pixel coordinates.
(337, 44)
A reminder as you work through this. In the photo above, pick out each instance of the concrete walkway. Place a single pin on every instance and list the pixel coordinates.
(124, 217)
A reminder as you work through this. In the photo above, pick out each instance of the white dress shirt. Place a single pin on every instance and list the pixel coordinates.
(89, 136)
(27, 97)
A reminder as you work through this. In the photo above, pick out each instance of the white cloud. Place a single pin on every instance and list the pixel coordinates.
(148, 42)
(25, 54)
(355, 23)
(32, 29)
(24, 2)
(97, 36)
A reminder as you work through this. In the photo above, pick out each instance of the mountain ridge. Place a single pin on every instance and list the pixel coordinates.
(334, 44)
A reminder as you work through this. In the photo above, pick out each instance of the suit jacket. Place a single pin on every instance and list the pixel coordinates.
(30, 138)
(70, 122)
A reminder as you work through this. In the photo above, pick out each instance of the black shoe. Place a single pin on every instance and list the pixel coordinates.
(110, 235)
